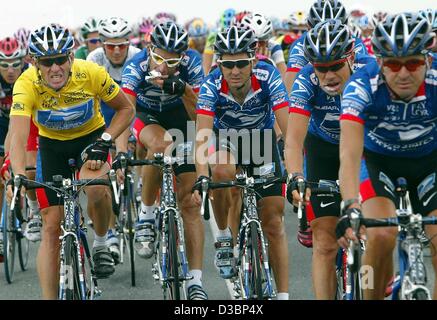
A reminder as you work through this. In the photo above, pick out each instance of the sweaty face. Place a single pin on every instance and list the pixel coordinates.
(332, 77)
(116, 50)
(236, 73)
(10, 69)
(404, 75)
(55, 70)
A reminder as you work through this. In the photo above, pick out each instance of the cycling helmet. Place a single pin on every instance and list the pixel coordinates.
(355, 29)
(328, 41)
(50, 40)
(364, 22)
(91, 25)
(261, 26)
(322, 10)
(170, 37)
(298, 19)
(235, 40)
(162, 17)
(379, 16)
(11, 48)
(402, 35)
(146, 26)
(22, 35)
(114, 28)
(226, 18)
(276, 23)
(431, 16)
(238, 18)
(197, 28)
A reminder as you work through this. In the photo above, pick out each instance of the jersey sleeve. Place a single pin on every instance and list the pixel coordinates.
(278, 97)
(356, 98)
(195, 71)
(360, 48)
(302, 94)
(106, 87)
(132, 76)
(208, 97)
(296, 56)
(23, 97)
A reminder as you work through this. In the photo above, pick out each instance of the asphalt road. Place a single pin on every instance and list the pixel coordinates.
(118, 287)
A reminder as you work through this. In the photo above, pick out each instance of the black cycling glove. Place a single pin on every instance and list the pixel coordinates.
(120, 161)
(174, 85)
(293, 185)
(345, 221)
(98, 150)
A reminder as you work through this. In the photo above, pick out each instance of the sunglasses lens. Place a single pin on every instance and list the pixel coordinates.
(50, 61)
(228, 64)
(393, 66)
(413, 65)
(332, 68)
(94, 41)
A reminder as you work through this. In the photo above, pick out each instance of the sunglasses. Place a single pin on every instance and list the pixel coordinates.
(48, 62)
(231, 64)
(171, 63)
(94, 40)
(411, 65)
(111, 45)
(13, 65)
(325, 68)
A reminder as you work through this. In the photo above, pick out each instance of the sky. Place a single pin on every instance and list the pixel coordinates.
(33, 14)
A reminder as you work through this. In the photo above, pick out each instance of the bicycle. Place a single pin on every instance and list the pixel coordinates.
(411, 283)
(254, 279)
(73, 281)
(171, 265)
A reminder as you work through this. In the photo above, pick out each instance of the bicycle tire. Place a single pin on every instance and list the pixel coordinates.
(340, 276)
(131, 235)
(72, 290)
(9, 240)
(173, 258)
(256, 274)
(420, 294)
(23, 242)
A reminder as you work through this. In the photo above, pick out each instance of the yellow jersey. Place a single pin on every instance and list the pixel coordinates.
(71, 112)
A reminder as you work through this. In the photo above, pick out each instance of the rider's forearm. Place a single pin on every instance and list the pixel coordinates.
(121, 121)
(121, 141)
(189, 98)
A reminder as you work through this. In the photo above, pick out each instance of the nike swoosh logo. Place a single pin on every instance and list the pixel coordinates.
(425, 203)
(267, 186)
(103, 84)
(323, 205)
(94, 150)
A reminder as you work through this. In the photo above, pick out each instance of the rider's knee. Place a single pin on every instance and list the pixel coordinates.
(384, 239)
(222, 173)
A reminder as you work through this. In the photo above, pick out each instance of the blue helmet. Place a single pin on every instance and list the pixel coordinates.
(329, 40)
(170, 37)
(198, 28)
(431, 16)
(235, 40)
(322, 10)
(226, 18)
(50, 40)
(402, 35)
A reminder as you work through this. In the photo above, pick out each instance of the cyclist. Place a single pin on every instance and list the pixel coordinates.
(62, 94)
(12, 65)
(239, 97)
(114, 33)
(166, 104)
(388, 111)
(90, 34)
(198, 32)
(313, 125)
(321, 10)
(366, 26)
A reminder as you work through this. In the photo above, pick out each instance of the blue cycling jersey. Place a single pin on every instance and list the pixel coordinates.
(267, 94)
(151, 97)
(391, 126)
(297, 59)
(308, 98)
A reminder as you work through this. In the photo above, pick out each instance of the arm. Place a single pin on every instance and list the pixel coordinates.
(189, 98)
(294, 141)
(281, 115)
(124, 114)
(289, 78)
(351, 150)
(282, 67)
(204, 124)
(19, 127)
(207, 62)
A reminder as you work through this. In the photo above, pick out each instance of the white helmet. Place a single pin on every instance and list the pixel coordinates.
(114, 28)
(261, 25)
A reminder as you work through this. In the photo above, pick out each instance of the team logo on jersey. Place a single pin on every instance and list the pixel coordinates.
(18, 106)
(49, 102)
(358, 91)
(111, 89)
(261, 74)
(80, 75)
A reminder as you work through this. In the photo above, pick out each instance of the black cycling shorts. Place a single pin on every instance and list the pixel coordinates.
(53, 156)
(260, 157)
(177, 119)
(322, 165)
(420, 173)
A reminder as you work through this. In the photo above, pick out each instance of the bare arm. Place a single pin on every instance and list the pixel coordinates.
(282, 67)
(189, 98)
(124, 114)
(289, 79)
(351, 150)
(294, 142)
(204, 126)
(207, 62)
(19, 127)
(281, 120)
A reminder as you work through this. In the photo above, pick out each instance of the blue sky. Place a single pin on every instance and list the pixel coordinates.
(33, 14)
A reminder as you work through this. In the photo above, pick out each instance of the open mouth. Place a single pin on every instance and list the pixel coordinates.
(333, 86)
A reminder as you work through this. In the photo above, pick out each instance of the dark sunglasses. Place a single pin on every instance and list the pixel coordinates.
(411, 65)
(231, 64)
(323, 68)
(111, 46)
(48, 62)
(94, 40)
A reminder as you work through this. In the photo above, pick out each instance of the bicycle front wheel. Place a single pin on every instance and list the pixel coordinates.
(9, 239)
(69, 278)
(22, 241)
(130, 213)
(173, 259)
(255, 272)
